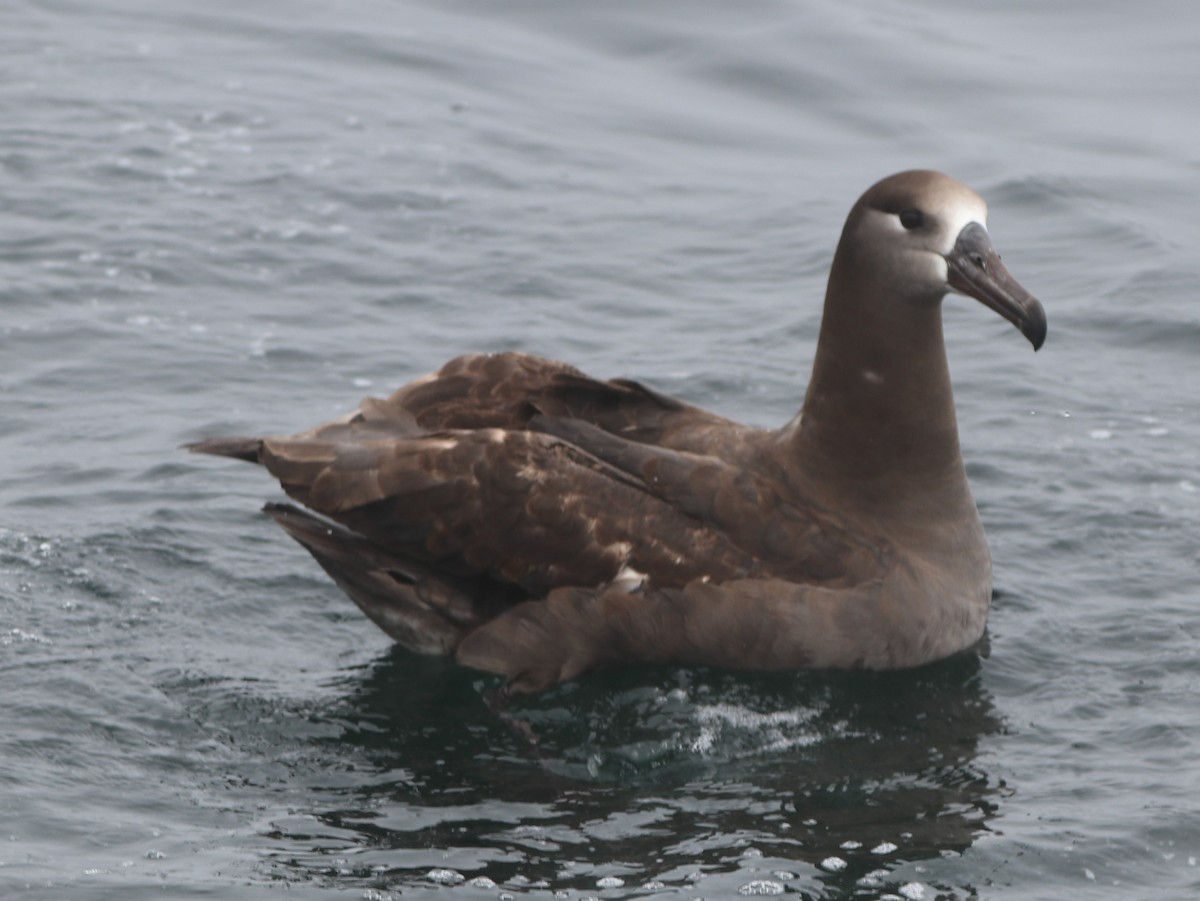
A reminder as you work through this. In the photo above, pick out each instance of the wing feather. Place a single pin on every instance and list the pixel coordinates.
(521, 507)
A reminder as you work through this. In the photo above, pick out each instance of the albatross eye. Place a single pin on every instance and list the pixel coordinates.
(911, 219)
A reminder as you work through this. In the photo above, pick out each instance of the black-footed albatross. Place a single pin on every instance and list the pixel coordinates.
(536, 523)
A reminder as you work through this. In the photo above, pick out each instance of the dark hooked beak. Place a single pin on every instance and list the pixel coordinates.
(974, 269)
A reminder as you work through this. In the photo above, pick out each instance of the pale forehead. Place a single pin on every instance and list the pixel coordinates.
(958, 209)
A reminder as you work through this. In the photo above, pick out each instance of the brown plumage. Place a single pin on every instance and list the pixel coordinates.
(538, 523)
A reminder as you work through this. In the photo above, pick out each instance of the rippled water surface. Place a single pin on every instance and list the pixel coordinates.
(242, 217)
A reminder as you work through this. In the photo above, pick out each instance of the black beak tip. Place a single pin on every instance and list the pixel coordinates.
(1034, 326)
(1036, 338)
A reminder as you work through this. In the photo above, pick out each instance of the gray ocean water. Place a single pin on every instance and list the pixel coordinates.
(242, 217)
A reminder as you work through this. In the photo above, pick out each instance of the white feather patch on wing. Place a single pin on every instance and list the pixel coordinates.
(629, 579)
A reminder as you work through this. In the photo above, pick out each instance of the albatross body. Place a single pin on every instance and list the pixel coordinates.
(538, 524)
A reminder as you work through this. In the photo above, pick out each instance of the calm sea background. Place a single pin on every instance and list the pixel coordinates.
(232, 217)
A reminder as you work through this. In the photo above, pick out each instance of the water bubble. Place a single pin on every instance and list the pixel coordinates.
(610, 882)
(883, 848)
(833, 864)
(762, 887)
(482, 882)
(850, 845)
(873, 878)
(913, 891)
(445, 877)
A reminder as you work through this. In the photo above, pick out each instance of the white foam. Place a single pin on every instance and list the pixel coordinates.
(20, 636)
(779, 730)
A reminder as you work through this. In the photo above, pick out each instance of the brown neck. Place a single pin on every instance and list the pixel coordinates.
(878, 426)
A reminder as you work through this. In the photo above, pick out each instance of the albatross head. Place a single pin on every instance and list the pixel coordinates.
(928, 233)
